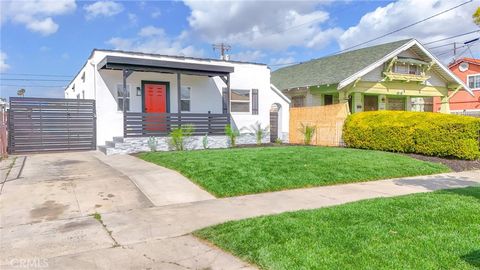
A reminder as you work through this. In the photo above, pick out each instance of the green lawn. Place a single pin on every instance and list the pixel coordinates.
(231, 172)
(439, 230)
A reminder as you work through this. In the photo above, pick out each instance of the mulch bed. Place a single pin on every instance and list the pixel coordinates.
(456, 165)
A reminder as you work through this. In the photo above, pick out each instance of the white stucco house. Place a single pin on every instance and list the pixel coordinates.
(139, 96)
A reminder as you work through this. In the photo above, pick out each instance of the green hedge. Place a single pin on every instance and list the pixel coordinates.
(431, 134)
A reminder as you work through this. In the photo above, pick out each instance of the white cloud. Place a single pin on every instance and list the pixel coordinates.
(403, 12)
(274, 25)
(156, 14)
(132, 18)
(282, 61)
(3, 65)
(36, 15)
(248, 56)
(102, 8)
(151, 39)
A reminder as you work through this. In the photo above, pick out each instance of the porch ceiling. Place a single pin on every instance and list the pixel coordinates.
(162, 66)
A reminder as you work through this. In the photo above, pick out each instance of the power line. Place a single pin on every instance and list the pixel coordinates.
(30, 85)
(392, 32)
(459, 35)
(38, 75)
(407, 26)
(33, 80)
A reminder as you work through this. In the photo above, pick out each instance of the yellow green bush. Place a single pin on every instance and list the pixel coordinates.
(432, 134)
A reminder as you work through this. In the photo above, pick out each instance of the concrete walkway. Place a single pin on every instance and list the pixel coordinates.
(138, 234)
(161, 185)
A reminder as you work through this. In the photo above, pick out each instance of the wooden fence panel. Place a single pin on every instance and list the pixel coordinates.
(328, 121)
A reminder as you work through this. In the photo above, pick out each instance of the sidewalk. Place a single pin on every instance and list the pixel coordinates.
(138, 234)
(175, 220)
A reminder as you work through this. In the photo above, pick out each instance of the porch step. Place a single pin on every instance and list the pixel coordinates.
(118, 139)
(110, 144)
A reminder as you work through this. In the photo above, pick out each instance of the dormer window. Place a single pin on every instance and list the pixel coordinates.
(406, 69)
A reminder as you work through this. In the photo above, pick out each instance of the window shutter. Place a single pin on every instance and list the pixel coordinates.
(254, 101)
(225, 100)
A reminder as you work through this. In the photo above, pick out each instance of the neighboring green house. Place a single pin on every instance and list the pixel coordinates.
(401, 75)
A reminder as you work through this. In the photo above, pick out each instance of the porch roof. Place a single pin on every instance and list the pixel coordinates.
(163, 66)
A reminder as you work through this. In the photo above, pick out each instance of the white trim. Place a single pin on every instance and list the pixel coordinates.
(404, 47)
(467, 82)
(279, 93)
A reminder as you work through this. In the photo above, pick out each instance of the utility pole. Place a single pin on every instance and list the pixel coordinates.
(223, 48)
(454, 51)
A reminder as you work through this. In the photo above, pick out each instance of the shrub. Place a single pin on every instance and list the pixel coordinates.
(259, 131)
(432, 134)
(232, 135)
(308, 133)
(152, 143)
(205, 141)
(179, 136)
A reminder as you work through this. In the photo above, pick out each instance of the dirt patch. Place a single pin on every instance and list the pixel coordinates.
(49, 210)
(456, 165)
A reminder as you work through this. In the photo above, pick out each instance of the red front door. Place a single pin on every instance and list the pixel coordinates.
(155, 98)
(155, 102)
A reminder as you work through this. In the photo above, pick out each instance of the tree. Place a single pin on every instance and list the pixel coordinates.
(476, 16)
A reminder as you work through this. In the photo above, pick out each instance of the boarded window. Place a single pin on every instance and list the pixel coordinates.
(396, 104)
(421, 104)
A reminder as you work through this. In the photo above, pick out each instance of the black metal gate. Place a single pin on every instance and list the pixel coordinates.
(51, 125)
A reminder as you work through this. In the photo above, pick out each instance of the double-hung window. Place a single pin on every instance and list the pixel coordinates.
(185, 98)
(474, 81)
(120, 98)
(240, 100)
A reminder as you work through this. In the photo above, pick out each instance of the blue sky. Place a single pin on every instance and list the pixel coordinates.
(55, 38)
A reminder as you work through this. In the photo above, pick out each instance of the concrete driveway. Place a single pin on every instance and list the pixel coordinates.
(47, 203)
(146, 212)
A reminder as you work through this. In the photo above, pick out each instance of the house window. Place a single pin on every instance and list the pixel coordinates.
(406, 69)
(474, 81)
(239, 100)
(298, 101)
(328, 99)
(185, 98)
(120, 98)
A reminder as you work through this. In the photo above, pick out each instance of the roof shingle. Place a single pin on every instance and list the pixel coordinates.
(332, 69)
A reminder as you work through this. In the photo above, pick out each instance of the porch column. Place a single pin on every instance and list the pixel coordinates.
(445, 106)
(228, 98)
(179, 98)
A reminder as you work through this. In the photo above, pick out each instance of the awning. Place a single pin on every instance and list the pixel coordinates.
(163, 66)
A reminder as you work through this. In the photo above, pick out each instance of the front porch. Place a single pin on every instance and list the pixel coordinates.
(155, 97)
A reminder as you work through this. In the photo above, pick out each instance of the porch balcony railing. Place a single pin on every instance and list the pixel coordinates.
(138, 124)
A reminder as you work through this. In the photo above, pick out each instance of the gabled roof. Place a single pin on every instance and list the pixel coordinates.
(465, 59)
(332, 69)
(345, 68)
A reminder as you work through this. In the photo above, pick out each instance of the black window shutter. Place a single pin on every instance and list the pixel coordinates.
(254, 101)
(224, 100)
